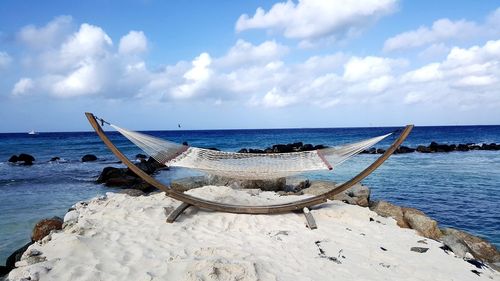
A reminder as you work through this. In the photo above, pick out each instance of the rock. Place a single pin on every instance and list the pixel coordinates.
(372, 150)
(45, 226)
(423, 149)
(456, 245)
(319, 146)
(419, 249)
(424, 225)
(463, 147)
(13, 159)
(185, 184)
(89, 158)
(356, 195)
(23, 157)
(319, 187)
(16, 256)
(71, 216)
(133, 192)
(386, 209)
(126, 181)
(380, 151)
(404, 149)
(4, 270)
(435, 147)
(53, 159)
(243, 150)
(266, 185)
(141, 157)
(295, 185)
(149, 167)
(111, 172)
(480, 248)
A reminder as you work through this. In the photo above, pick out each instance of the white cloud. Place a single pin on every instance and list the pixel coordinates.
(47, 36)
(22, 86)
(195, 79)
(443, 30)
(358, 69)
(314, 19)
(134, 42)
(5, 60)
(83, 81)
(89, 41)
(430, 72)
(274, 99)
(244, 53)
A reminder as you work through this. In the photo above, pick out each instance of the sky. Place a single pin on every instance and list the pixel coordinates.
(150, 65)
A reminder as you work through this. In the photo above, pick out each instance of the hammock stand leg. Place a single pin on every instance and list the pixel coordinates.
(311, 223)
(177, 212)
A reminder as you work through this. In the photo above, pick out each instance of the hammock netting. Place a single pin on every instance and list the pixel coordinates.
(253, 166)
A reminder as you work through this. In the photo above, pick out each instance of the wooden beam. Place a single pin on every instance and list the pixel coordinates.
(311, 223)
(176, 213)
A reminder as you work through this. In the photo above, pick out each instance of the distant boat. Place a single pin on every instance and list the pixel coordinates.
(32, 132)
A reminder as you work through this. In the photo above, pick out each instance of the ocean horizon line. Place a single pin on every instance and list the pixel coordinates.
(263, 129)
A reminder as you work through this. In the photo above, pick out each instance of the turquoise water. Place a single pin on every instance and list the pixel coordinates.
(459, 189)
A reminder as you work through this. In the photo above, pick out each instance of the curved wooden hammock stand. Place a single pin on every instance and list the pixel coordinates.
(189, 200)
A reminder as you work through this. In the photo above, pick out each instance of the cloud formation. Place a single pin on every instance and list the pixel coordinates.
(5, 60)
(46, 36)
(248, 74)
(310, 20)
(134, 42)
(443, 30)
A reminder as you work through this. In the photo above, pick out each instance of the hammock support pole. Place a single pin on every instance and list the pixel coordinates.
(245, 209)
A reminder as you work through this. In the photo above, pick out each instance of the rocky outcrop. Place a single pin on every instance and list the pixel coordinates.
(133, 192)
(424, 225)
(408, 218)
(23, 159)
(15, 257)
(356, 195)
(185, 184)
(456, 245)
(386, 209)
(435, 147)
(125, 178)
(45, 226)
(188, 183)
(89, 158)
(284, 148)
(479, 248)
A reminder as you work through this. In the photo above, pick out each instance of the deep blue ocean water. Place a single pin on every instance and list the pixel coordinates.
(458, 189)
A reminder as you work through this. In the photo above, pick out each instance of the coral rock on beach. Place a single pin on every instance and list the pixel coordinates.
(45, 226)
(480, 248)
(426, 226)
(387, 209)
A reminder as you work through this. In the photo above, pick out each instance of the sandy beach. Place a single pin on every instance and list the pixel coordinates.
(120, 237)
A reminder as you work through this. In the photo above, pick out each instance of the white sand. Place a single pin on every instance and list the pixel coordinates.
(126, 238)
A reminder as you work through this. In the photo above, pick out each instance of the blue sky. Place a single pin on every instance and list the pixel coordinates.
(248, 64)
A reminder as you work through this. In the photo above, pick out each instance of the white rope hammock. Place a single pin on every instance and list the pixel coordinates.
(252, 166)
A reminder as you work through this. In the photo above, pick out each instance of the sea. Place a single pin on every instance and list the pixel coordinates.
(458, 189)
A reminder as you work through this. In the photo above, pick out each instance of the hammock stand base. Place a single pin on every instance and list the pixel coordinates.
(245, 209)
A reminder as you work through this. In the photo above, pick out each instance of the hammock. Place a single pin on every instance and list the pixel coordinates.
(250, 166)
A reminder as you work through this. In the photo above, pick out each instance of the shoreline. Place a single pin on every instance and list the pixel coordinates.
(347, 243)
